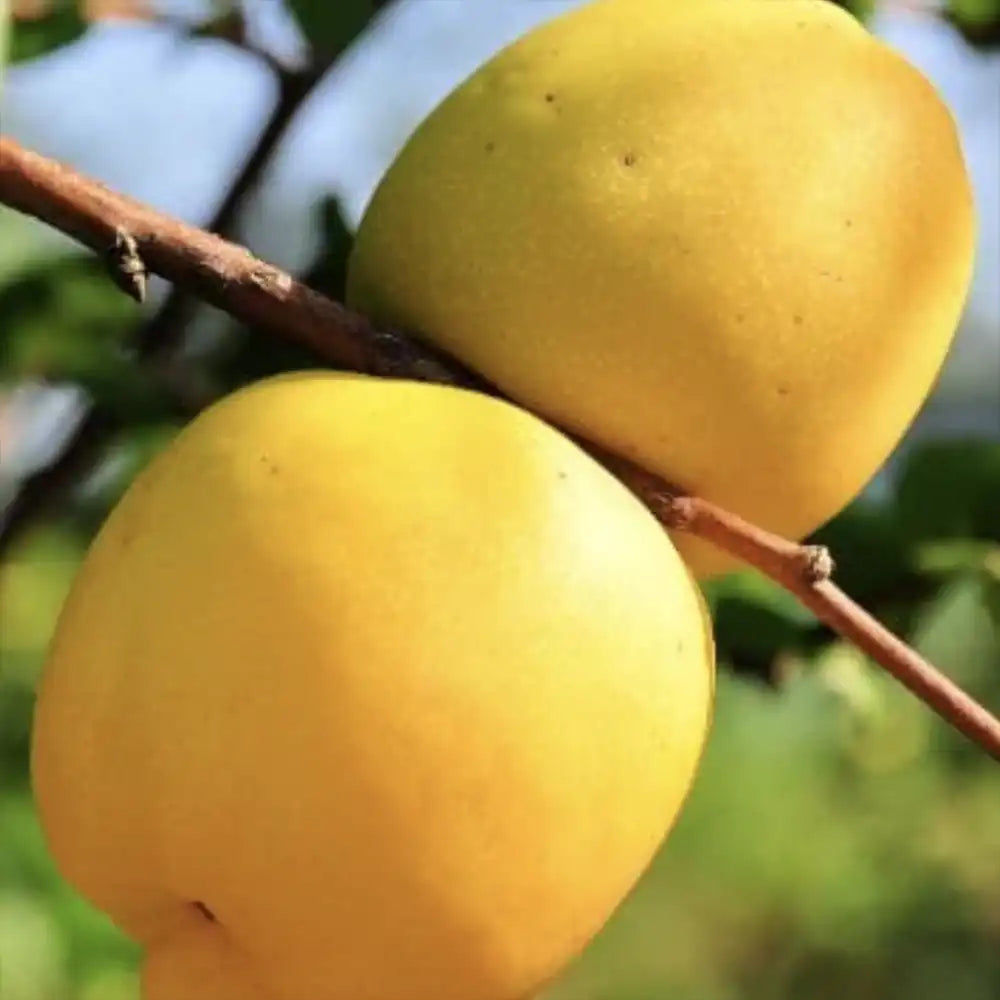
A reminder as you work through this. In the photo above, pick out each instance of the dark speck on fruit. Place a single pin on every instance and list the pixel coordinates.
(797, 319)
(629, 159)
(550, 97)
(490, 146)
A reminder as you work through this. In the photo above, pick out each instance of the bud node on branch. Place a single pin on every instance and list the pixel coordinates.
(127, 268)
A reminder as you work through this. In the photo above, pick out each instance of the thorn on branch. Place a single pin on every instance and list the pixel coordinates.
(128, 269)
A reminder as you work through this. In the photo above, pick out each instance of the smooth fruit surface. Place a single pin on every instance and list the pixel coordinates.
(392, 679)
(730, 240)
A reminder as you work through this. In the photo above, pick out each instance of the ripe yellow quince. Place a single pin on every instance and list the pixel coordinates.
(729, 240)
(369, 690)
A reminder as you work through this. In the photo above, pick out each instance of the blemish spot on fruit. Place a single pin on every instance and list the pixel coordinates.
(204, 911)
(682, 248)
(490, 146)
(562, 473)
(740, 317)
(848, 223)
(797, 319)
(783, 390)
(629, 159)
(550, 97)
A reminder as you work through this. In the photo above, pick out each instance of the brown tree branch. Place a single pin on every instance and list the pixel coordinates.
(157, 337)
(259, 294)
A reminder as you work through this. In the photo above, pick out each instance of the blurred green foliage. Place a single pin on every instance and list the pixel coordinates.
(331, 27)
(44, 27)
(840, 840)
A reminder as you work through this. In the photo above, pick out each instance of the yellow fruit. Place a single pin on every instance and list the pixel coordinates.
(393, 679)
(199, 963)
(730, 240)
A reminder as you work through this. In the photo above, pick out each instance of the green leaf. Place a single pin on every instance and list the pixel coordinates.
(328, 273)
(65, 323)
(951, 489)
(16, 707)
(331, 26)
(37, 36)
(977, 20)
(125, 393)
(974, 11)
(24, 242)
(756, 621)
(4, 40)
(861, 9)
(870, 549)
(61, 315)
(957, 633)
(249, 355)
(752, 588)
(227, 24)
(951, 557)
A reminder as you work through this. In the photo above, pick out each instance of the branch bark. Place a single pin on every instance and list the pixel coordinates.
(257, 293)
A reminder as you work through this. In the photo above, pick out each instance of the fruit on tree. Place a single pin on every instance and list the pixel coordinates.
(369, 690)
(730, 241)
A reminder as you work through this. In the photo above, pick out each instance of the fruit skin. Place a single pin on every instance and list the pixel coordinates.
(393, 678)
(731, 241)
(199, 963)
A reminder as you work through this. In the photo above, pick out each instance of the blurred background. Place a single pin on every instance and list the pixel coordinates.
(840, 841)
